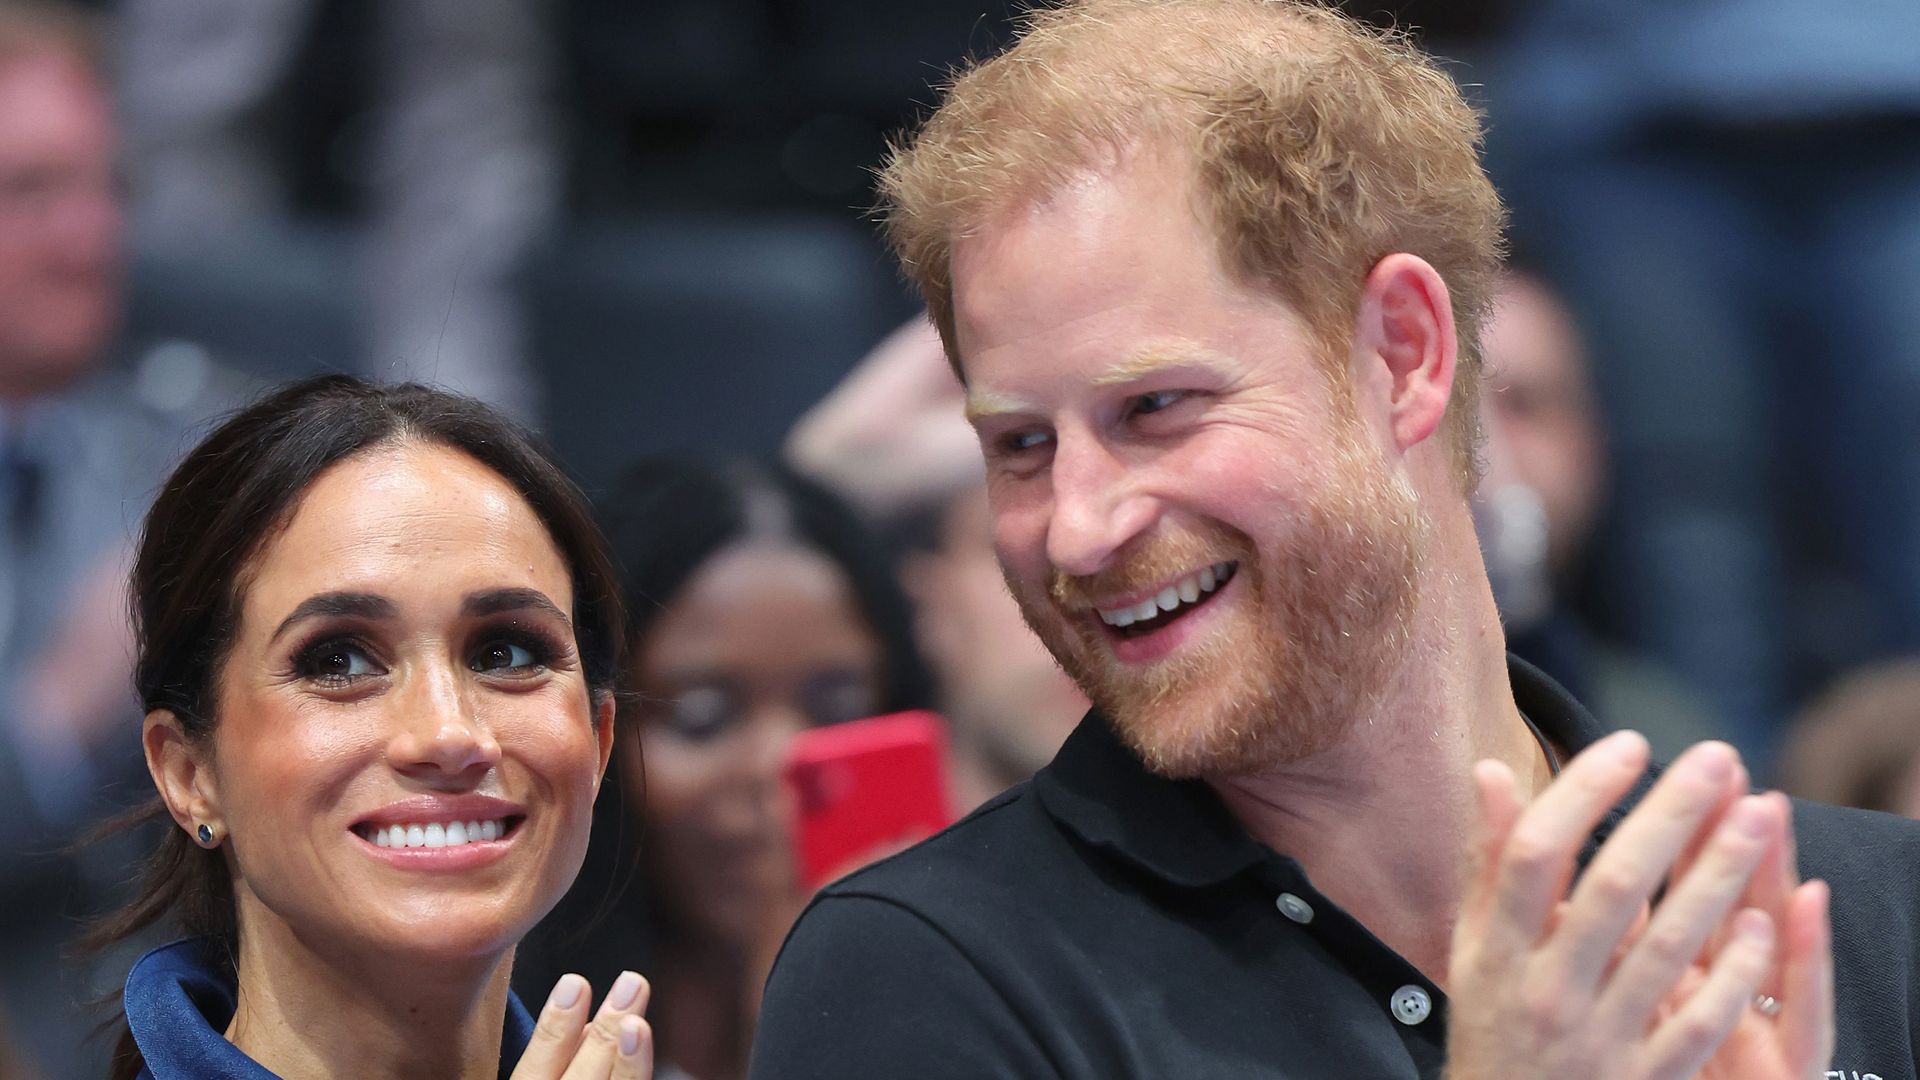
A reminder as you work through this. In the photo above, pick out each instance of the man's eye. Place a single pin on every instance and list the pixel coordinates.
(1019, 442)
(1145, 404)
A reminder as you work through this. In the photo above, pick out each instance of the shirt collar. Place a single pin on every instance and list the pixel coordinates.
(180, 998)
(1178, 830)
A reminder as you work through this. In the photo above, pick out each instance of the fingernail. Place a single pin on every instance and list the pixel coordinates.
(1753, 924)
(629, 1036)
(566, 992)
(1752, 815)
(625, 989)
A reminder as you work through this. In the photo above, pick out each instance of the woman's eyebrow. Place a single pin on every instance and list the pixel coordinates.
(494, 601)
(334, 604)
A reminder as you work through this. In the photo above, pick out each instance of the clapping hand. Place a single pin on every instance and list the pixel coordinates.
(1600, 983)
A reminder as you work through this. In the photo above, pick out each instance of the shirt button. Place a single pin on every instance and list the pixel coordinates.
(1294, 908)
(1411, 1005)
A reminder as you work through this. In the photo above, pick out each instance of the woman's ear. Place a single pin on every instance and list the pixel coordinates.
(183, 771)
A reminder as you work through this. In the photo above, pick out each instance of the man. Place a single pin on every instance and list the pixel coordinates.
(79, 455)
(1211, 272)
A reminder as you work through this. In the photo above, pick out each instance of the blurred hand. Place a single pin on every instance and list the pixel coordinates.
(1597, 983)
(615, 1044)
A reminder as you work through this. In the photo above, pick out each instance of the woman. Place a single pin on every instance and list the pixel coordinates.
(758, 607)
(377, 636)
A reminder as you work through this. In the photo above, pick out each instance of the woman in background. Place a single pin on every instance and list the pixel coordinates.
(758, 606)
(377, 641)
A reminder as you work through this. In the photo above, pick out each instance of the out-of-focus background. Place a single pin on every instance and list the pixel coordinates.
(643, 228)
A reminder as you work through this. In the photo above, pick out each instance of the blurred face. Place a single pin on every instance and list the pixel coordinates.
(1185, 505)
(60, 226)
(407, 751)
(1001, 686)
(761, 643)
(1541, 417)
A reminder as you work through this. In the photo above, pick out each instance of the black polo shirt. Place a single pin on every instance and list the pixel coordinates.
(1102, 923)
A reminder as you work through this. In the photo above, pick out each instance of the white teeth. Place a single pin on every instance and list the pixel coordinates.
(433, 834)
(1187, 590)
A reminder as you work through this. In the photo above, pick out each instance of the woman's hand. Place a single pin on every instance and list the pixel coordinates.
(616, 1044)
(1593, 984)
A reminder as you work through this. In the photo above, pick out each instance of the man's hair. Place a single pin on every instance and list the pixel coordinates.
(1319, 146)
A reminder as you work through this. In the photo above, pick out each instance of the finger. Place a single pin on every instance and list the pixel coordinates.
(1499, 807)
(1689, 914)
(600, 1043)
(634, 1060)
(556, 1036)
(1806, 987)
(1737, 785)
(1773, 885)
(1637, 857)
(1684, 1041)
(1537, 860)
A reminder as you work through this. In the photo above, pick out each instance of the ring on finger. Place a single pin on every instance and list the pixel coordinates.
(1766, 1005)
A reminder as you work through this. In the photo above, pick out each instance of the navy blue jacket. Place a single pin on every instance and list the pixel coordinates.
(179, 1000)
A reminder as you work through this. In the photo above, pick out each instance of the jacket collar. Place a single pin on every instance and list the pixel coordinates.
(1179, 831)
(180, 998)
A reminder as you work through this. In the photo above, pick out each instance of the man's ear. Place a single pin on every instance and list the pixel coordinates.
(1405, 324)
(183, 772)
(604, 711)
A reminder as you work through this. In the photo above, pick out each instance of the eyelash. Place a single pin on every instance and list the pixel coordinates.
(307, 660)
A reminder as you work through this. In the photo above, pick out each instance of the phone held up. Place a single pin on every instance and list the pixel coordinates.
(864, 788)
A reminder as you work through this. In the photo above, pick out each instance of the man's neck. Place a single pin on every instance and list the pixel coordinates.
(1382, 821)
(308, 1015)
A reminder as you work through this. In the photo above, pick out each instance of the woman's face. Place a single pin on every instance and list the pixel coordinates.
(763, 642)
(404, 670)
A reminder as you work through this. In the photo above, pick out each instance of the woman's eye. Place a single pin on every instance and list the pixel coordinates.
(505, 656)
(701, 713)
(336, 663)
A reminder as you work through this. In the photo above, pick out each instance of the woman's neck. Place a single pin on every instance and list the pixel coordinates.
(307, 1014)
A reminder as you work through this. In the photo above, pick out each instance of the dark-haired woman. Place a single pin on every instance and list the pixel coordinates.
(377, 644)
(759, 606)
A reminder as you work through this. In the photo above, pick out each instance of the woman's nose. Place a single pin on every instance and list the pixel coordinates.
(439, 734)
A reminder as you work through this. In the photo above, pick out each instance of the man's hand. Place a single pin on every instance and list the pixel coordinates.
(1597, 984)
(615, 1045)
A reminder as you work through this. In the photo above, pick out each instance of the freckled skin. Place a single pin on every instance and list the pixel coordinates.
(295, 763)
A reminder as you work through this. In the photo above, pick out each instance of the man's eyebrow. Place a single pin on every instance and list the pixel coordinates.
(982, 404)
(1153, 361)
(337, 604)
(495, 601)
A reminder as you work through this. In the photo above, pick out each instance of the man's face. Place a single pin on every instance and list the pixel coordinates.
(60, 224)
(1159, 436)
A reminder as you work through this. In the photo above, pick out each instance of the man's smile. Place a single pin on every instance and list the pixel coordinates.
(1170, 602)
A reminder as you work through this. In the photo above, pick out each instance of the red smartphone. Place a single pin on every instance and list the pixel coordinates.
(863, 786)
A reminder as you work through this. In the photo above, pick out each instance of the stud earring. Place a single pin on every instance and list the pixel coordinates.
(205, 834)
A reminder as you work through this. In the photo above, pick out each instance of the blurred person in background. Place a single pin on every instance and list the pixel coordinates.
(1858, 744)
(1536, 508)
(458, 159)
(894, 438)
(758, 607)
(79, 456)
(1728, 195)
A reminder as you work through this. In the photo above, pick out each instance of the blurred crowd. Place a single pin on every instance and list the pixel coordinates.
(640, 229)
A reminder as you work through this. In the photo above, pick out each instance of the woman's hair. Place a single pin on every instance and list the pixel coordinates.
(665, 518)
(222, 505)
(1858, 743)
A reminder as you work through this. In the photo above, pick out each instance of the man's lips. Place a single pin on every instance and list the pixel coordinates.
(1137, 616)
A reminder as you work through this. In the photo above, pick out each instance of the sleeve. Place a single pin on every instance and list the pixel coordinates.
(867, 987)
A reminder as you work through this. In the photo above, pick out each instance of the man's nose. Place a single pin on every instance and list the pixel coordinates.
(439, 735)
(1097, 506)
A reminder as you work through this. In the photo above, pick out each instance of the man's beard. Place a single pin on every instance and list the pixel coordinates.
(1309, 648)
